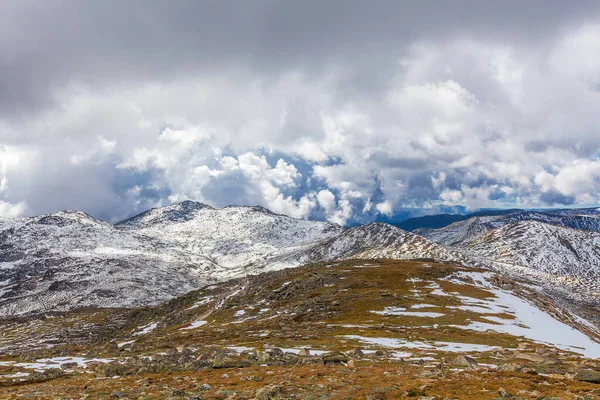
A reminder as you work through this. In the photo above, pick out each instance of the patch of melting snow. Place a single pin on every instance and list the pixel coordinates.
(398, 355)
(16, 375)
(145, 329)
(530, 321)
(537, 325)
(121, 344)
(444, 346)
(417, 306)
(239, 313)
(201, 302)
(240, 349)
(426, 358)
(402, 311)
(194, 325)
(56, 362)
(312, 352)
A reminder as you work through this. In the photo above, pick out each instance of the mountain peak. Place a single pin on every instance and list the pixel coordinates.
(179, 212)
(191, 205)
(66, 217)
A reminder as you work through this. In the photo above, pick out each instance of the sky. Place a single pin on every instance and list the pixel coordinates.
(343, 110)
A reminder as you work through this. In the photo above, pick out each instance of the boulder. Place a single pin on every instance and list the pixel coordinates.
(512, 367)
(465, 361)
(262, 357)
(69, 365)
(504, 394)
(304, 352)
(333, 358)
(205, 386)
(275, 352)
(356, 353)
(587, 375)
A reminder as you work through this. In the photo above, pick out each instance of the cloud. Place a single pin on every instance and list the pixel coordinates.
(377, 111)
(12, 210)
(384, 208)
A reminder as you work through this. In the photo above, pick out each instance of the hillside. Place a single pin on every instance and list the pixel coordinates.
(543, 247)
(351, 329)
(439, 221)
(463, 232)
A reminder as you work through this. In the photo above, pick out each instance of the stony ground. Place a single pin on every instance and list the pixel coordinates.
(352, 330)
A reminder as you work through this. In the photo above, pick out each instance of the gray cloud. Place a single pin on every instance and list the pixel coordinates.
(116, 106)
(553, 198)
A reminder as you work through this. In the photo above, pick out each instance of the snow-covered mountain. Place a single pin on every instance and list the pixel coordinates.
(374, 241)
(464, 231)
(69, 259)
(558, 248)
(233, 239)
(546, 248)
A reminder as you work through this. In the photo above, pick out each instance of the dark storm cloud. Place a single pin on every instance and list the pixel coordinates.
(46, 44)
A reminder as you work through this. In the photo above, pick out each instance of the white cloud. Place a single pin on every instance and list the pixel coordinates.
(384, 208)
(459, 122)
(326, 200)
(12, 210)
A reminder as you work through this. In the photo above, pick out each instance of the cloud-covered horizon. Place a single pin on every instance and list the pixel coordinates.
(346, 111)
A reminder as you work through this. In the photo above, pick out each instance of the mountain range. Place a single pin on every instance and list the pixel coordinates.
(69, 259)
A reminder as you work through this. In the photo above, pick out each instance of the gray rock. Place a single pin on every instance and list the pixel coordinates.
(304, 352)
(538, 358)
(587, 375)
(334, 357)
(276, 352)
(465, 361)
(356, 353)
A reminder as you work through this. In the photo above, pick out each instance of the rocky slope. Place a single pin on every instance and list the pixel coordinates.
(351, 329)
(559, 248)
(463, 231)
(69, 259)
(546, 248)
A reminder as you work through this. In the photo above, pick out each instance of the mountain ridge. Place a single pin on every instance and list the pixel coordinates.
(69, 259)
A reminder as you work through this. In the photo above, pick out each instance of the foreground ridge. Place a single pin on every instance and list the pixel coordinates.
(356, 328)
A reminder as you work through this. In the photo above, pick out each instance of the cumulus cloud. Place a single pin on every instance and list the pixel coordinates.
(310, 112)
(12, 210)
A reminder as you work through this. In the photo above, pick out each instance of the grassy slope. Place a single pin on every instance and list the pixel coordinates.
(313, 306)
